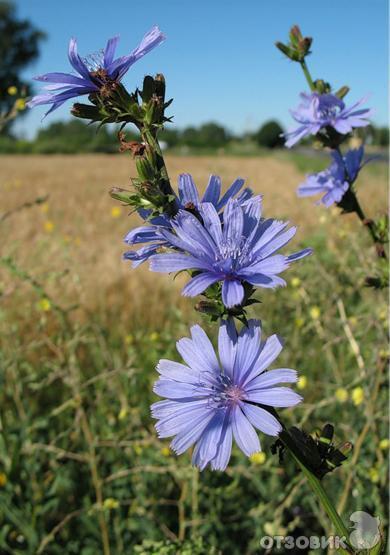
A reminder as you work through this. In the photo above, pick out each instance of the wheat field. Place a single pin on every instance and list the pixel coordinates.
(79, 228)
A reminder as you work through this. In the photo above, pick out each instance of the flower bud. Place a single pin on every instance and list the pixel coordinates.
(343, 91)
(86, 111)
(121, 194)
(322, 86)
(295, 35)
(298, 47)
(208, 307)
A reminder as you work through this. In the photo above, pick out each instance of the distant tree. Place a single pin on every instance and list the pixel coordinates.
(213, 135)
(19, 46)
(269, 135)
(382, 136)
(170, 137)
(207, 135)
(76, 136)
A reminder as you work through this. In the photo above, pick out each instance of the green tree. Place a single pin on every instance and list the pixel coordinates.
(269, 135)
(19, 46)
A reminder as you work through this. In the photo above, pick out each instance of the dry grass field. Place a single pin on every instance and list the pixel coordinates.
(79, 227)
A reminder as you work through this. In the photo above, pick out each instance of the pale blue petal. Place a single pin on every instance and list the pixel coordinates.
(262, 419)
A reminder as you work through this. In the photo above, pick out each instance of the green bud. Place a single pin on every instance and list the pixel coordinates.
(322, 86)
(343, 91)
(159, 82)
(87, 111)
(298, 47)
(304, 46)
(295, 35)
(287, 51)
(148, 88)
(345, 448)
(121, 194)
(208, 307)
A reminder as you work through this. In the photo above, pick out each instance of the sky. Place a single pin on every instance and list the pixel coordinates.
(219, 59)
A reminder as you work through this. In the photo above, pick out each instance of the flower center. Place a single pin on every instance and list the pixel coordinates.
(232, 253)
(94, 61)
(224, 392)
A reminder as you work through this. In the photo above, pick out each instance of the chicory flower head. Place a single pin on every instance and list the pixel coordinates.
(335, 180)
(99, 72)
(319, 111)
(188, 198)
(239, 249)
(209, 401)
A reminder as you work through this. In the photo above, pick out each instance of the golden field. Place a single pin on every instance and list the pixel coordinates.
(79, 228)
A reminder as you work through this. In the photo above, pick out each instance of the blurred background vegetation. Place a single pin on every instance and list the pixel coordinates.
(76, 137)
(81, 469)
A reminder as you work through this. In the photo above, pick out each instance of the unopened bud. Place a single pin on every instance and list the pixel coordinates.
(304, 46)
(295, 35)
(159, 82)
(343, 91)
(208, 307)
(322, 86)
(287, 51)
(298, 46)
(345, 448)
(121, 194)
(86, 111)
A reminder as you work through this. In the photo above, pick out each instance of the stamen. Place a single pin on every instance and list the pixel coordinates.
(94, 61)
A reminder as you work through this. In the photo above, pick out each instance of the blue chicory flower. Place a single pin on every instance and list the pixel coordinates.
(239, 249)
(318, 111)
(188, 198)
(210, 402)
(96, 73)
(335, 180)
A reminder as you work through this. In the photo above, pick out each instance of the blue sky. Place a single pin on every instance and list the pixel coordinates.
(219, 58)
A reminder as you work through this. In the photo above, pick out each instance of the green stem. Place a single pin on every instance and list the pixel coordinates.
(306, 72)
(319, 490)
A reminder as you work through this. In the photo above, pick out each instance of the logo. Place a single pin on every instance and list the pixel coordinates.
(366, 532)
(365, 535)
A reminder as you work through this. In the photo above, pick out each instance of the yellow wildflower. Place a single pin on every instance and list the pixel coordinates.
(299, 322)
(122, 413)
(3, 479)
(357, 395)
(384, 444)
(341, 394)
(166, 452)
(154, 336)
(295, 282)
(48, 226)
(12, 90)
(116, 211)
(20, 104)
(302, 382)
(374, 475)
(315, 312)
(44, 305)
(258, 458)
(110, 503)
